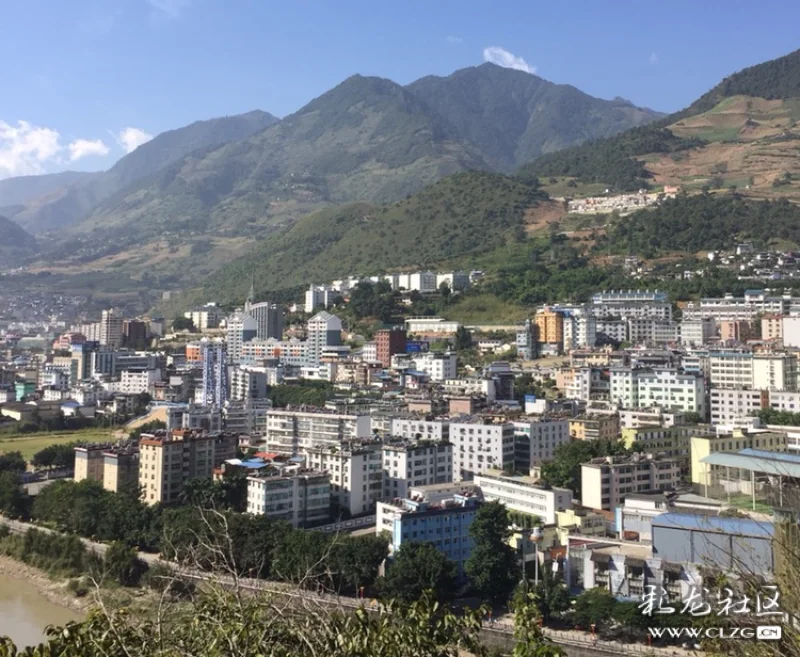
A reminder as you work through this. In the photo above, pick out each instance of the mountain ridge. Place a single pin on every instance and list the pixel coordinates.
(68, 204)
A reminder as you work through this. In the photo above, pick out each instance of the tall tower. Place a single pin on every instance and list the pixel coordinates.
(251, 295)
(215, 373)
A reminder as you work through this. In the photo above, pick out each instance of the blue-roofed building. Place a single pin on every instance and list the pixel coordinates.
(729, 544)
(445, 524)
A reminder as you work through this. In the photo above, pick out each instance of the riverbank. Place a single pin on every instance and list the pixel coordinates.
(53, 590)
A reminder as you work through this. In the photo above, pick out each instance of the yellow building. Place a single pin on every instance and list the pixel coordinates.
(120, 469)
(594, 427)
(672, 441)
(549, 326)
(169, 459)
(89, 463)
(701, 446)
(584, 522)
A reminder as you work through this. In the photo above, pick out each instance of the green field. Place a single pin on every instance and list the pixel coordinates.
(485, 309)
(31, 443)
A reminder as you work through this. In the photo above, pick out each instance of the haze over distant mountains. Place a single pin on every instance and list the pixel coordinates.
(366, 139)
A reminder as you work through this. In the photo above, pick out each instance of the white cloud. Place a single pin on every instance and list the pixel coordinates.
(454, 39)
(131, 138)
(165, 9)
(654, 58)
(26, 148)
(502, 57)
(85, 148)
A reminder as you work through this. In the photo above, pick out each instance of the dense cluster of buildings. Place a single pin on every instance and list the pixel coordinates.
(415, 443)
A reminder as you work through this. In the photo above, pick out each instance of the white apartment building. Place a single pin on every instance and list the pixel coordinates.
(615, 330)
(456, 280)
(775, 371)
(605, 481)
(733, 405)
(423, 281)
(664, 387)
(320, 296)
(421, 428)
(523, 494)
(324, 330)
(651, 331)
(580, 330)
(239, 329)
(730, 369)
(415, 463)
(790, 330)
(480, 445)
(628, 304)
(110, 328)
(299, 496)
(543, 435)
(205, 317)
(697, 332)
(136, 382)
(730, 308)
(247, 383)
(439, 366)
(356, 474)
(292, 432)
(431, 325)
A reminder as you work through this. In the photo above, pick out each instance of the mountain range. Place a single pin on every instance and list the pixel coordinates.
(366, 139)
(368, 177)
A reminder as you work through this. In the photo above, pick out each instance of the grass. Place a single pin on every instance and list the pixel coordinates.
(745, 502)
(30, 443)
(485, 309)
(560, 187)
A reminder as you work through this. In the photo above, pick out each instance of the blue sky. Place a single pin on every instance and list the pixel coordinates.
(84, 81)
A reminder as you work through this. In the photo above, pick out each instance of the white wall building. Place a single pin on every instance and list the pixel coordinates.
(605, 481)
(543, 436)
(356, 473)
(439, 366)
(134, 383)
(522, 494)
(479, 445)
(420, 428)
(415, 463)
(301, 497)
(732, 405)
(291, 432)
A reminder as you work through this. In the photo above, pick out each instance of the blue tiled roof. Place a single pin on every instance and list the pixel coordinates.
(737, 526)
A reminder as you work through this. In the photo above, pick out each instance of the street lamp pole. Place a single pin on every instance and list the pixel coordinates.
(536, 537)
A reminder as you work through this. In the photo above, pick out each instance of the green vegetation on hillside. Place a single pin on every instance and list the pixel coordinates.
(15, 243)
(465, 214)
(702, 222)
(777, 78)
(611, 160)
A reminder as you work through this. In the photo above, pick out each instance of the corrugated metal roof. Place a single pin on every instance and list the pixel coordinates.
(737, 526)
(774, 463)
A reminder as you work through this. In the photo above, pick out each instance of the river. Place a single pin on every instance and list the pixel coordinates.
(25, 613)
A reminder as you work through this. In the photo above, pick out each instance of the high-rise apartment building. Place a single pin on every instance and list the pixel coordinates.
(269, 319)
(324, 330)
(169, 459)
(214, 388)
(240, 328)
(293, 432)
(111, 328)
(389, 342)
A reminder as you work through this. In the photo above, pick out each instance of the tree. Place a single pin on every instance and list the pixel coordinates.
(463, 338)
(530, 640)
(183, 324)
(416, 568)
(445, 292)
(493, 567)
(565, 469)
(356, 560)
(57, 456)
(12, 462)
(123, 565)
(594, 607)
(13, 500)
(552, 597)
